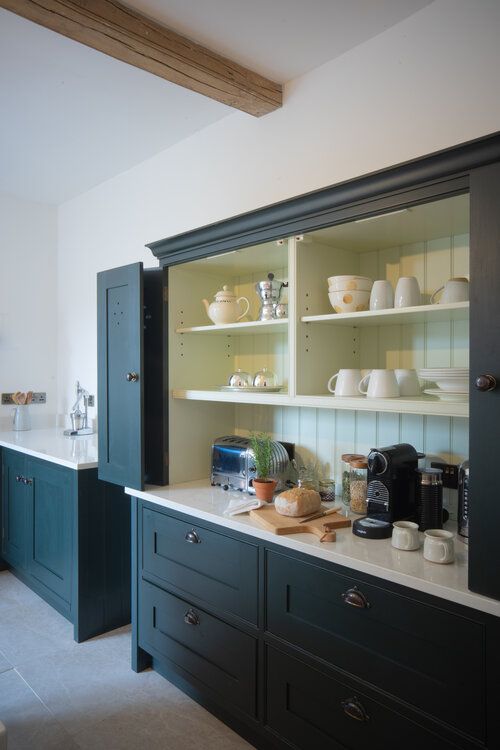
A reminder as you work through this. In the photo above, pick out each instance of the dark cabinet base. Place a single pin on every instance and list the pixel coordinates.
(66, 535)
(310, 674)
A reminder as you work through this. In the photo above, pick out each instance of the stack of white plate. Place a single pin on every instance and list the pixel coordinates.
(452, 382)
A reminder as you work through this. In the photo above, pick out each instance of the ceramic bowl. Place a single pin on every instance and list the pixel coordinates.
(352, 283)
(349, 301)
(453, 385)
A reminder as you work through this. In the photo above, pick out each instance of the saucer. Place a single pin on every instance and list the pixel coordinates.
(447, 396)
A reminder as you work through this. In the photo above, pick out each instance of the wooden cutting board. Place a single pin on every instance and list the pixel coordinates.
(324, 528)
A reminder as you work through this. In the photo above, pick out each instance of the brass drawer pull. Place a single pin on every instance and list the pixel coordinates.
(191, 618)
(354, 709)
(192, 537)
(355, 598)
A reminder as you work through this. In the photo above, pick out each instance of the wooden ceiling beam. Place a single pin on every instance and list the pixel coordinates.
(129, 36)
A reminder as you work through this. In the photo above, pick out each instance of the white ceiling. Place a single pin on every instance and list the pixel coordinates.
(71, 117)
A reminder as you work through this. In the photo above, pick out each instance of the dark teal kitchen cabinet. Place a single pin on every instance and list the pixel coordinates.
(67, 536)
(131, 378)
(16, 496)
(50, 524)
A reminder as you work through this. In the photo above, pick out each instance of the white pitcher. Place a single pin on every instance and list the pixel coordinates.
(21, 418)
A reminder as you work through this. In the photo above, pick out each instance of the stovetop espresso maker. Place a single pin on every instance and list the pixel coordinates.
(269, 292)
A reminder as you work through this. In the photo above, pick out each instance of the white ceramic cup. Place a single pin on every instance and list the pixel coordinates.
(408, 382)
(407, 292)
(381, 384)
(455, 290)
(347, 383)
(439, 546)
(405, 535)
(382, 296)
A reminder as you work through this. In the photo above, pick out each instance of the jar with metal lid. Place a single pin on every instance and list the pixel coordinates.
(358, 485)
(326, 490)
(346, 459)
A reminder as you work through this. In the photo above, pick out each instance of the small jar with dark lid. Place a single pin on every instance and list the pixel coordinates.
(429, 511)
(358, 485)
(346, 459)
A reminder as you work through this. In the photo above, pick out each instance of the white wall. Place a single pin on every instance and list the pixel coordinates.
(28, 303)
(423, 85)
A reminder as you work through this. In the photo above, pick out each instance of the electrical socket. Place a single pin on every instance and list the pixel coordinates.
(39, 397)
(450, 474)
(91, 400)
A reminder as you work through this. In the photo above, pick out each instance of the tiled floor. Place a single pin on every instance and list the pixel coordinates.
(56, 694)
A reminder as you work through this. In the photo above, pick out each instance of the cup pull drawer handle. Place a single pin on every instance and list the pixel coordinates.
(192, 537)
(355, 598)
(191, 618)
(354, 709)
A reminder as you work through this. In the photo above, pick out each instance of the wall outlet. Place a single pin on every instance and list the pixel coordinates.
(92, 400)
(39, 397)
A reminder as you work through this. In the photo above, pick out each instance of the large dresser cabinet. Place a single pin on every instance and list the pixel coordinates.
(408, 670)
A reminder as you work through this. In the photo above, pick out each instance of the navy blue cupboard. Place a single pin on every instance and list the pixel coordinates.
(306, 670)
(66, 535)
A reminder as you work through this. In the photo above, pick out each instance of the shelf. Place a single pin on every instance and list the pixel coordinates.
(421, 405)
(395, 316)
(251, 327)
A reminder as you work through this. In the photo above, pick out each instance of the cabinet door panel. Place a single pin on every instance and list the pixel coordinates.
(120, 355)
(314, 711)
(15, 499)
(484, 360)
(50, 548)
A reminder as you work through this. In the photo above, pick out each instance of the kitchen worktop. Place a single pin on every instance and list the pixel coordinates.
(374, 557)
(51, 445)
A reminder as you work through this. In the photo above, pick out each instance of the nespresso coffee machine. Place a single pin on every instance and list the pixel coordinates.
(391, 482)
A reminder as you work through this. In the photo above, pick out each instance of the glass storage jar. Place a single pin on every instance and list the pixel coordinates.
(346, 459)
(358, 485)
(327, 490)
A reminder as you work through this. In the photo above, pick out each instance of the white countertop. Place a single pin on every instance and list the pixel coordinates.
(375, 557)
(51, 445)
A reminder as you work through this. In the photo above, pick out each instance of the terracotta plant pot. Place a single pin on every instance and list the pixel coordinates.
(264, 489)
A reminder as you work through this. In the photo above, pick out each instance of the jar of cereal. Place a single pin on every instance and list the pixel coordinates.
(346, 459)
(358, 485)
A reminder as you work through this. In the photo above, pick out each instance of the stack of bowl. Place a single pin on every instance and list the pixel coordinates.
(452, 382)
(349, 293)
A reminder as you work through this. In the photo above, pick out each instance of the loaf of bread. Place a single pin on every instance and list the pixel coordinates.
(298, 501)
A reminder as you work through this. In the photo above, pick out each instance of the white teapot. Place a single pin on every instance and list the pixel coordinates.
(226, 308)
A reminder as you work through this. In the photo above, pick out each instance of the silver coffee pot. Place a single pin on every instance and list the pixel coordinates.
(269, 292)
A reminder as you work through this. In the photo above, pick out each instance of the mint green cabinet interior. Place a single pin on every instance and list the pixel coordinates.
(67, 536)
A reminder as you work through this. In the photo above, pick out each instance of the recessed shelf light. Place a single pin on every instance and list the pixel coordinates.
(382, 216)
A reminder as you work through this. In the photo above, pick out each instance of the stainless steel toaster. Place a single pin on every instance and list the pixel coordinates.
(233, 465)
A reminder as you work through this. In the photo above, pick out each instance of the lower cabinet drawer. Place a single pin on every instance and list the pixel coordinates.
(214, 568)
(424, 655)
(217, 655)
(314, 711)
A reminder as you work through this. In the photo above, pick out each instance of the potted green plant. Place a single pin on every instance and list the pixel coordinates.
(262, 448)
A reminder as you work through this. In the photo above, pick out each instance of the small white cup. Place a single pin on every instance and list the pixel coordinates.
(407, 292)
(382, 296)
(405, 535)
(439, 546)
(347, 383)
(408, 382)
(381, 384)
(455, 290)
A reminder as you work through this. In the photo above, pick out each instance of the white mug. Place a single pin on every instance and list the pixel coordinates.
(408, 382)
(455, 290)
(347, 383)
(405, 535)
(438, 546)
(407, 292)
(381, 384)
(382, 296)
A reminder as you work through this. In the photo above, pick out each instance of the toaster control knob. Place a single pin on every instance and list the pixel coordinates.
(377, 463)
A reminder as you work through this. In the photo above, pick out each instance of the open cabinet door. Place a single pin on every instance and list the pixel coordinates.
(120, 334)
